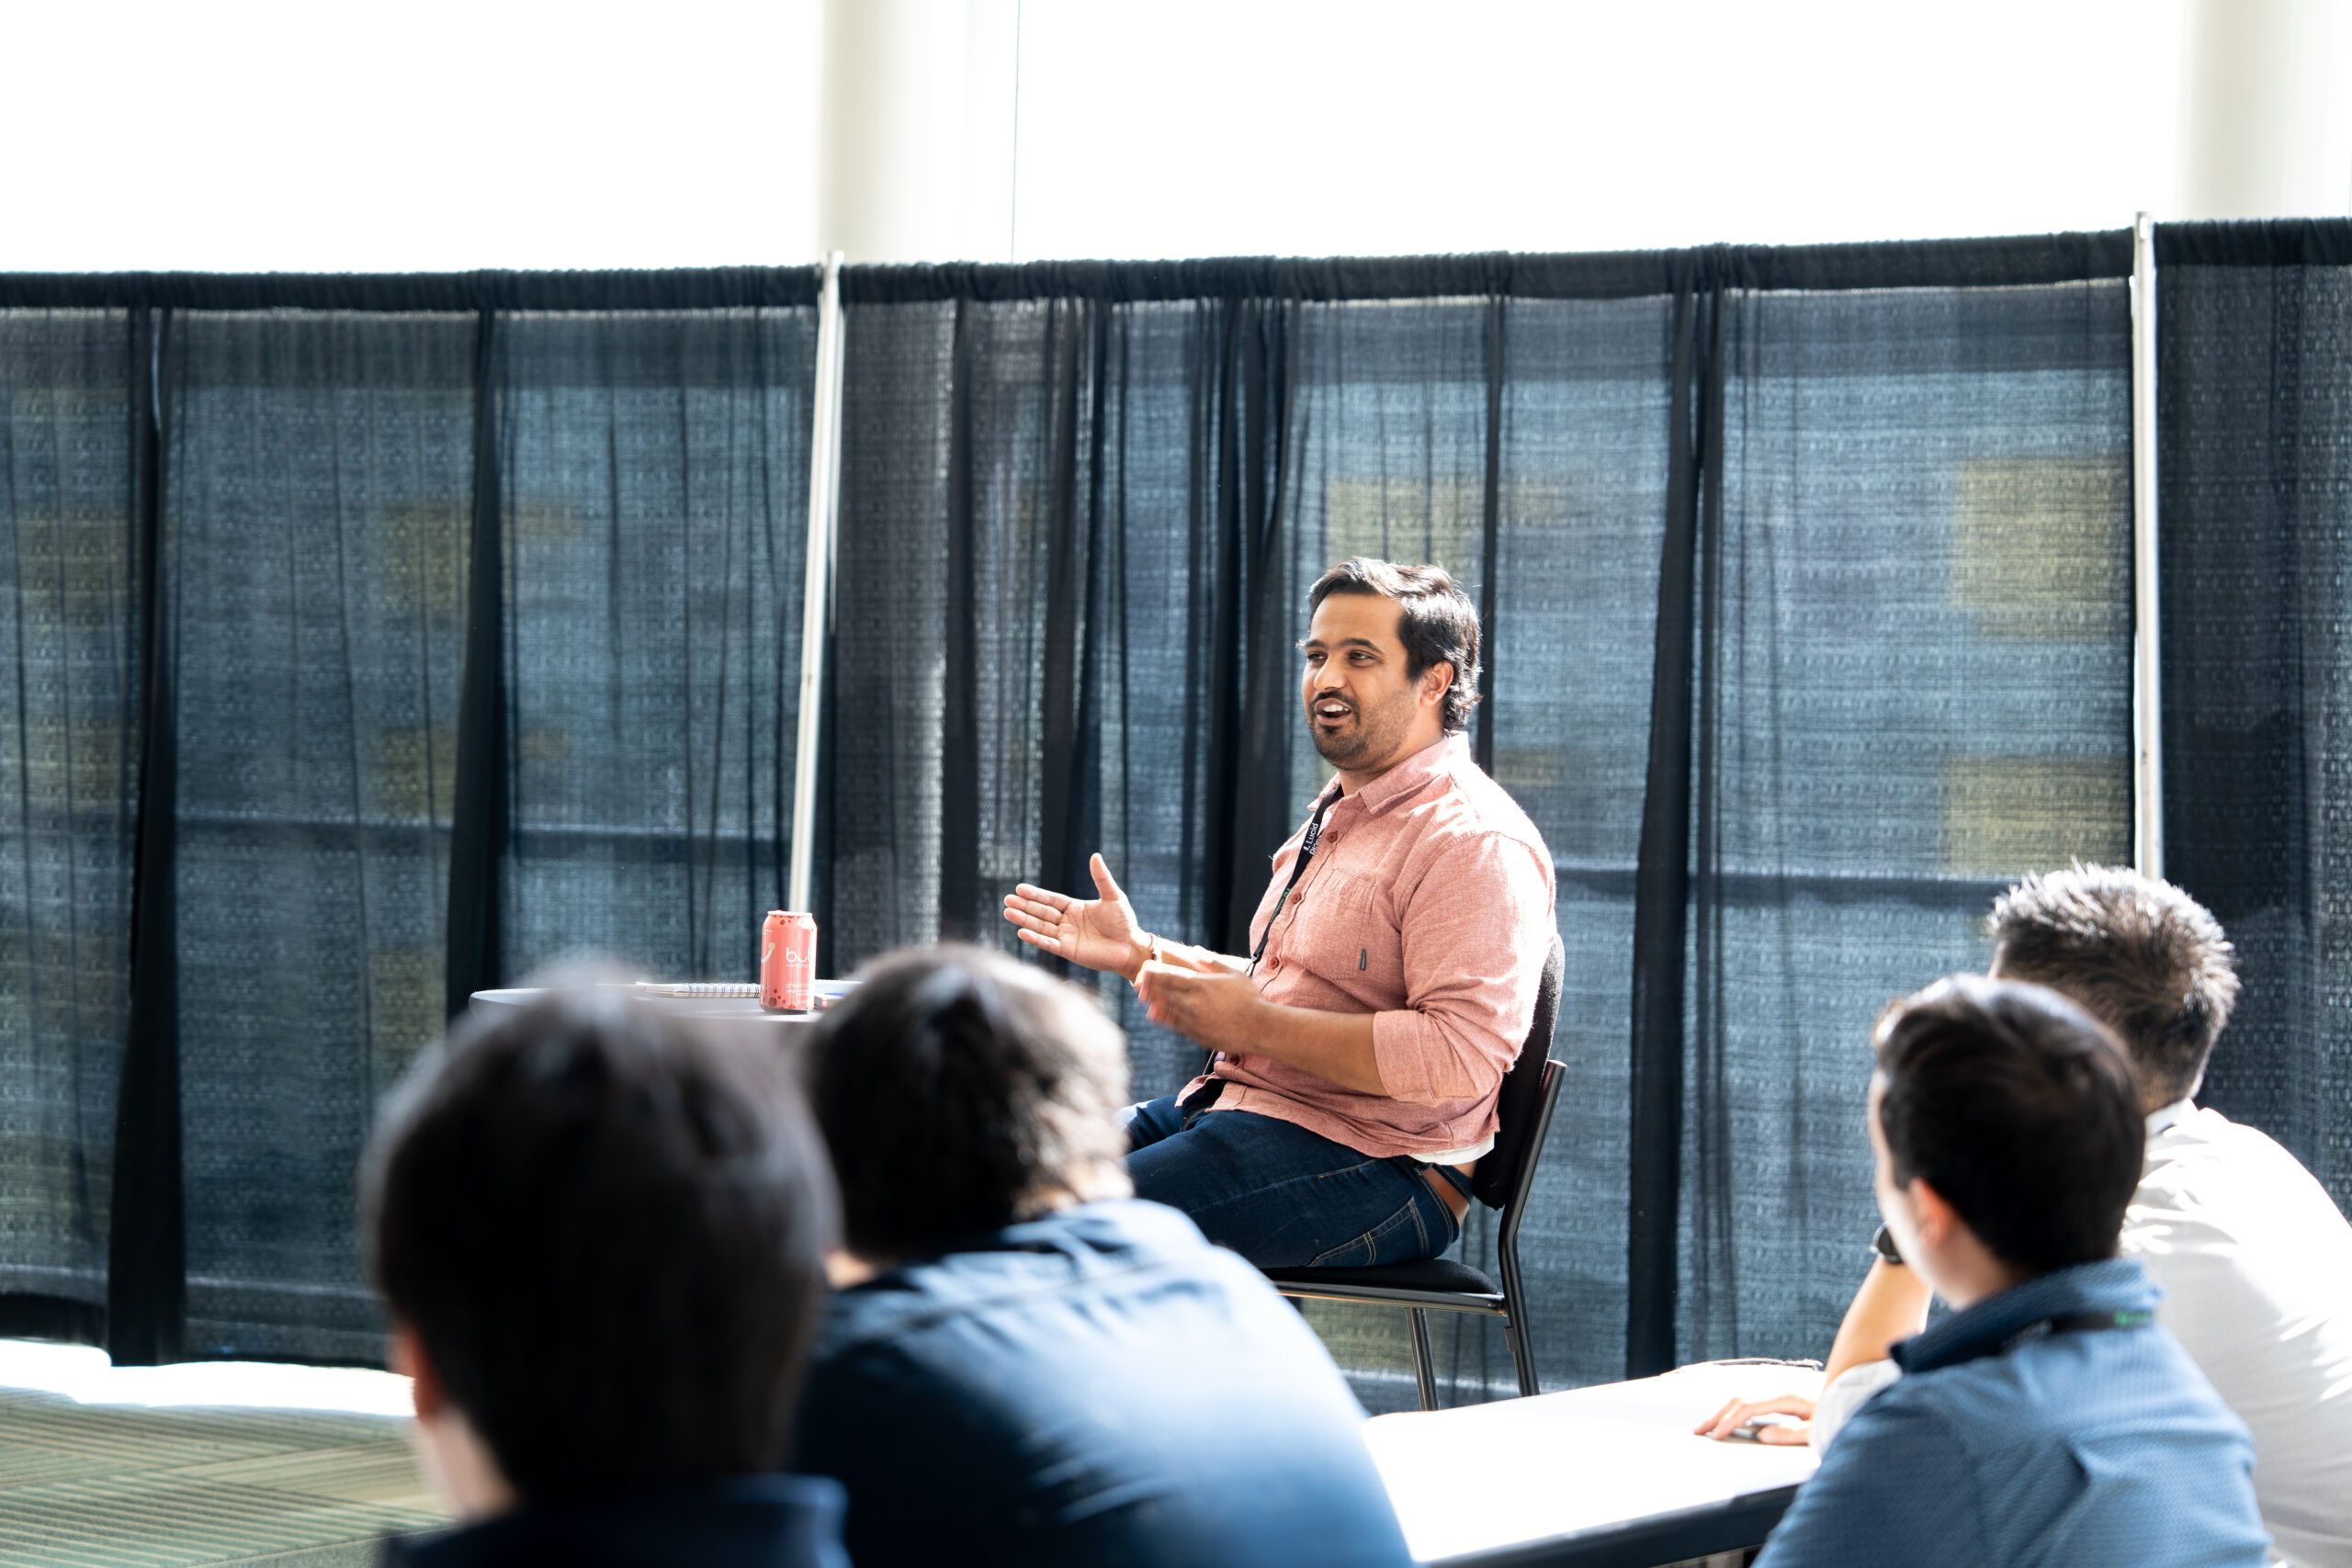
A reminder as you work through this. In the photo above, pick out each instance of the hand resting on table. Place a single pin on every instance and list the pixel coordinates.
(1724, 1423)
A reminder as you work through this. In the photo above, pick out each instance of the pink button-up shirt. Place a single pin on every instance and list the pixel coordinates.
(1429, 906)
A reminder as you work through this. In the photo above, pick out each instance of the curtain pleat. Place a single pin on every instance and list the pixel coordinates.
(147, 1252)
(1662, 873)
(479, 794)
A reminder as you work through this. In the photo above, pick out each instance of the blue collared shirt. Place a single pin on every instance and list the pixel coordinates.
(2005, 1443)
(1097, 1388)
(748, 1521)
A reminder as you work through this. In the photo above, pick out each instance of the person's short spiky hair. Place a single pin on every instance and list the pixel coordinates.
(2146, 959)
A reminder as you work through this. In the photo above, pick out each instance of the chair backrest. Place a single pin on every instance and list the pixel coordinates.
(1521, 1104)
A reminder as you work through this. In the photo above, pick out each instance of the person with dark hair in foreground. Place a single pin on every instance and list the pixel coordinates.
(2254, 1259)
(602, 1239)
(2049, 1419)
(1024, 1365)
(1358, 1050)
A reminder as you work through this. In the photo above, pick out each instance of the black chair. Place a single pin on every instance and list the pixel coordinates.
(1502, 1182)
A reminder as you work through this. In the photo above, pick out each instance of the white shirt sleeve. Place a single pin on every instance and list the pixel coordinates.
(1844, 1395)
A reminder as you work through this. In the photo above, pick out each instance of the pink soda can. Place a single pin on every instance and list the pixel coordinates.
(787, 961)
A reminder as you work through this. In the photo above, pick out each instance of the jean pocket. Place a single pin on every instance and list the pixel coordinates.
(1384, 1243)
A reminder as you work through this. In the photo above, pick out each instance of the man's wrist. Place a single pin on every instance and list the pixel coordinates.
(1147, 951)
(1253, 1028)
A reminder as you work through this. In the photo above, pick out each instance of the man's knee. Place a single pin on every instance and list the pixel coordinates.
(1150, 1121)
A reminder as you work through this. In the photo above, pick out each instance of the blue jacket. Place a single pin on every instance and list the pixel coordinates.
(1099, 1386)
(2005, 1442)
(755, 1521)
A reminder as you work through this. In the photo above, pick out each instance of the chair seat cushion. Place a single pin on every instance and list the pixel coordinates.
(1429, 1274)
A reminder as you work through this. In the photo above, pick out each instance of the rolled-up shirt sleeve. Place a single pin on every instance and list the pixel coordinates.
(1474, 933)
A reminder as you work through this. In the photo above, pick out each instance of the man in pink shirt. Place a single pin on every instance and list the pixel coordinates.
(1391, 980)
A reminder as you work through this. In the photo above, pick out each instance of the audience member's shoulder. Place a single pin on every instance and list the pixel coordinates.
(1084, 1246)
(2204, 1159)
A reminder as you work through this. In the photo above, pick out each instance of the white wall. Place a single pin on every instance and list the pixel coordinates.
(1587, 127)
(254, 135)
(262, 135)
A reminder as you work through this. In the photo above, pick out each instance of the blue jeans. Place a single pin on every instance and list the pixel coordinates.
(1281, 1196)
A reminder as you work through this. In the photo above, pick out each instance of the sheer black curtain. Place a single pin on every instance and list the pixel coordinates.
(2254, 421)
(318, 471)
(477, 637)
(1521, 443)
(1057, 515)
(1580, 391)
(1912, 685)
(654, 496)
(71, 557)
(267, 539)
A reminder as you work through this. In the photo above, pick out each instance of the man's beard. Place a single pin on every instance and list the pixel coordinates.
(1373, 736)
(1340, 750)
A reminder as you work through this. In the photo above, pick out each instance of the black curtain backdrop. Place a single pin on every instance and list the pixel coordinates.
(317, 468)
(2254, 324)
(1088, 501)
(459, 632)
(653, 499)
(345, 606)
(69, 621)
(1912, 685)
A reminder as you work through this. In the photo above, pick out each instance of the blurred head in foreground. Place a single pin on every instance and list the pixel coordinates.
(2144, 957)
(962, 1093)
(601, 1236)
(2007, 1133)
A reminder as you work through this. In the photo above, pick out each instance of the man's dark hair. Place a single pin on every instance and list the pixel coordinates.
(2145, 958)
(1439, 624)
(2020, 1108)
(607, 1231)
(962, 1093)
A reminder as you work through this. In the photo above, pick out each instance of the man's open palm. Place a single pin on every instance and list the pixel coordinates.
(1097, 933)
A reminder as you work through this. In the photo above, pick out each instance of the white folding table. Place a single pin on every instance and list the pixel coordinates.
(1605, 1477)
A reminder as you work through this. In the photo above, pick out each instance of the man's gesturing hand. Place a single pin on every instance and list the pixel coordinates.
(1097, 933)
(1216, 1010)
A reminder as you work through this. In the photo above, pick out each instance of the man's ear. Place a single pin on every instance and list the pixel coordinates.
(1931, 1215)
(1436, 681)
(409, 1360)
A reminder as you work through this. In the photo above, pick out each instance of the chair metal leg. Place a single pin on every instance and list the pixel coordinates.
(1424, 1371)
(1522, 1348)
(1523, 1354)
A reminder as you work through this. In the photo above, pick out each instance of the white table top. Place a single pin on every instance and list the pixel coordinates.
(737, 1008)
(1516, 1472)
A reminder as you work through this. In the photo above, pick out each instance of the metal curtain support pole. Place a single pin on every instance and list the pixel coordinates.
(816, 604)
(2147, 707)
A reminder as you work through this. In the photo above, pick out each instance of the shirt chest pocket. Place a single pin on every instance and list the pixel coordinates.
(1340, 929)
